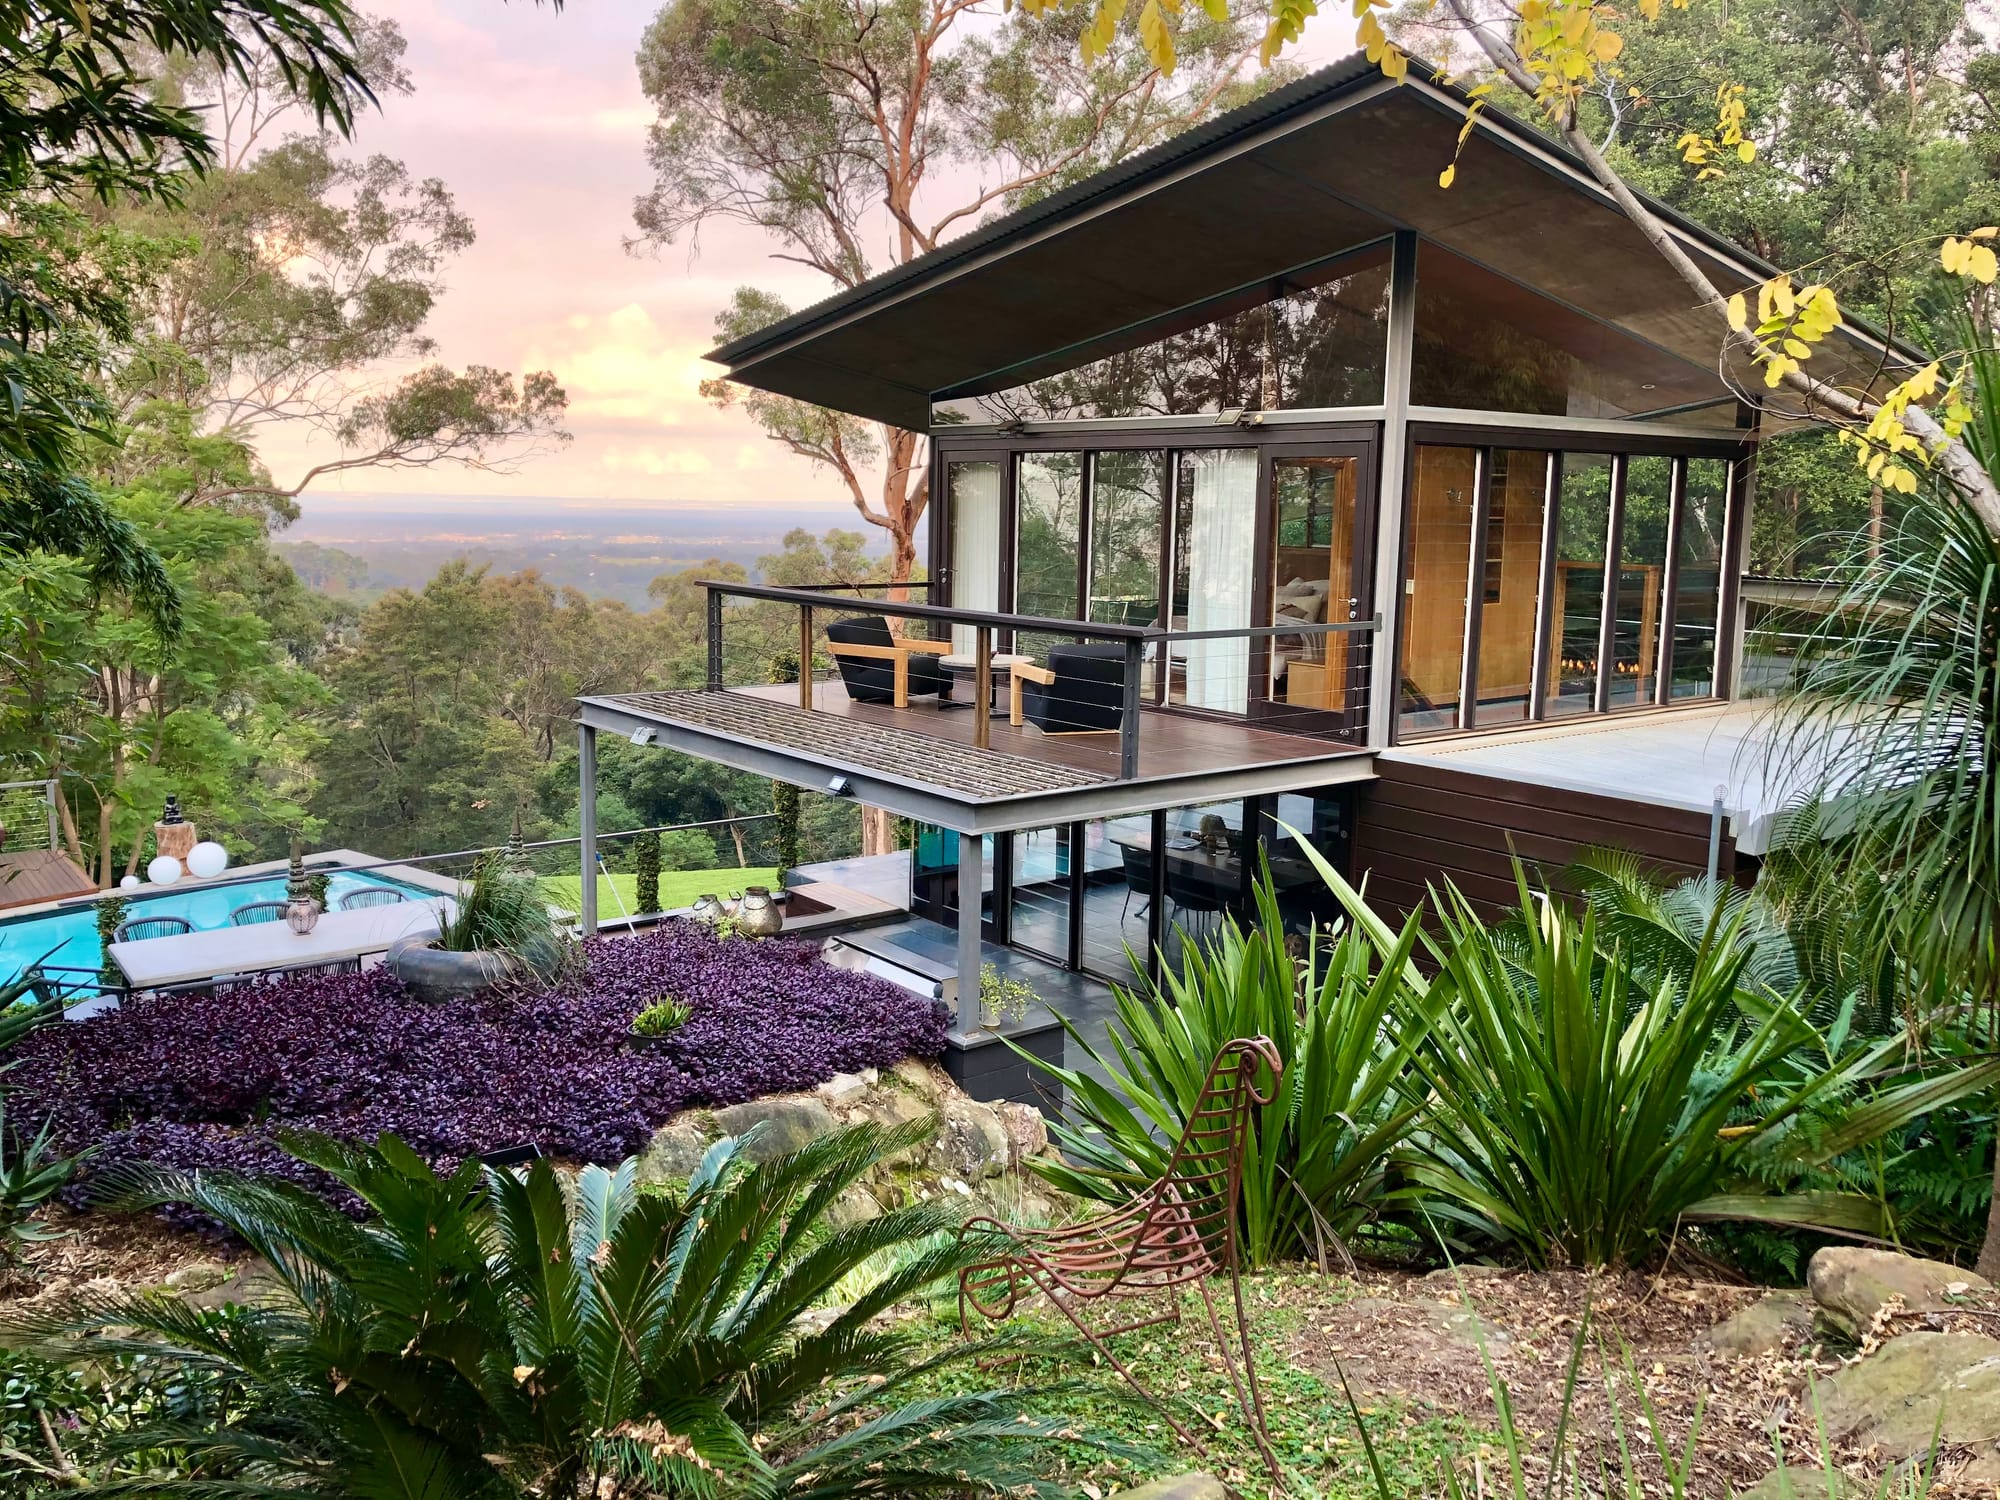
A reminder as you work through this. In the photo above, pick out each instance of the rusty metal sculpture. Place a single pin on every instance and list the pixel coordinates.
(1180, 1228)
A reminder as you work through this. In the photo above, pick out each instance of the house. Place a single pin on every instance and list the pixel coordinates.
(1278, 493)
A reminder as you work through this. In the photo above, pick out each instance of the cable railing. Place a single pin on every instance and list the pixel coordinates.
(1094, 695)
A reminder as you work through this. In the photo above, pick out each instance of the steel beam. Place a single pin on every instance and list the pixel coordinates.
(586, 826)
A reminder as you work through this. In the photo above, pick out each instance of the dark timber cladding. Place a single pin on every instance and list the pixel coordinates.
(1418, 824)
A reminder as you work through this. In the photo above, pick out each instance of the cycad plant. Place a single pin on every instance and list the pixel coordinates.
(1344, 1019)
(492, 1334)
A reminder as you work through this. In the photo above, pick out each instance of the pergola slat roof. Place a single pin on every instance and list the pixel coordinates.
(1333, 161)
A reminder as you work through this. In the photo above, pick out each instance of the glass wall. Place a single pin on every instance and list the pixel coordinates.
(1039, 908)
(1215, 548)
(1583, 520)
(1529, 595)
(1698, 586)
(1208, 858)
(1437, 548)
(973, 496)
(1318, 338)
(1048, 534)
(1509, 593)
(1118, 860)
(1128, 505)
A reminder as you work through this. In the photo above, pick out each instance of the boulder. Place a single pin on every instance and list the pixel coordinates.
(254, 1283)
(788, 1125)
(1916, 1386)
(918, 1076)
(1770, 1324)
(1027, 1131)
(842, 1088)
(971, 1143)
(1182, 1487)
(675, 1150)
(895, 1107)
(1851, 1284)
(854, 1206)
(202, 1276)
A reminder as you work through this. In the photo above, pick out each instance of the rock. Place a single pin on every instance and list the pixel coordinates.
(788, 1125)
(919, 1076)
(202, 1276)
(842, 1087)
(1027, 1132)
(675, 1150)
(1892, 1399)
(1768, 1325)
(254, 1282)
(1799, 1484)
(1184, 1487)
(854, 1206)
(971, 1143)
(1851, 1284)
(895, 1107)
(1451, 1276)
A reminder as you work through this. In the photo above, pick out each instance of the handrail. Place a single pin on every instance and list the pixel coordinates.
(903, 609)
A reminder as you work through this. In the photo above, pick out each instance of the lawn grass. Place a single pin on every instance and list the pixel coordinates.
(678, 888)
(1312, 1426)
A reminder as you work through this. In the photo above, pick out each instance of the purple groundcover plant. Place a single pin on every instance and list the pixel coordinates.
(212, 1080)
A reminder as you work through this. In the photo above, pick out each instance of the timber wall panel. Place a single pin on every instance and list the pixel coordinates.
(1419, 824)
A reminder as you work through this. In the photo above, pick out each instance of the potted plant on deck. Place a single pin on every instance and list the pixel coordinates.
(501, 932)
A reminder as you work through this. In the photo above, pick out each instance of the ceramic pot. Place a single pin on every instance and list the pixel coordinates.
(757, 915)
(708, 909)
(438, 977)
(302, 914)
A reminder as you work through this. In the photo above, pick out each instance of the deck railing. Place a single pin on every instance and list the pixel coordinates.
(1297, 676)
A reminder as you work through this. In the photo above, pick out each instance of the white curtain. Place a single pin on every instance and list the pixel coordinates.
(1221, 547)
(975, 544)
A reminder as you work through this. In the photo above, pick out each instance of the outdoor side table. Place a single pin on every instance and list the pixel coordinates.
(964, 668)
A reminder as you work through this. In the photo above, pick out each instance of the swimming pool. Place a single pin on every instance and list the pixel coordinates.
(68, 939)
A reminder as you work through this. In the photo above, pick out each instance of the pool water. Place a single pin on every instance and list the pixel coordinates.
(68, 939)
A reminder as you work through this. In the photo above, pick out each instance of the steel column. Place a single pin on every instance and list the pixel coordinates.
(1128, 721)
(586, 825)
(971, 897)
(1385, 660)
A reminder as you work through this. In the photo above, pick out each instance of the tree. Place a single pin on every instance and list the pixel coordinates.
(821, 121)
(77, 117)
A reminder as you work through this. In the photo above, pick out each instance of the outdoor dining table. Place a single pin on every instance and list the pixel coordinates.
(151, 963)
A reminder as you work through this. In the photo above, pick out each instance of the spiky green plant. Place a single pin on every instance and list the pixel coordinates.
(503, 911)
(486, 1334)
(1344, 1020)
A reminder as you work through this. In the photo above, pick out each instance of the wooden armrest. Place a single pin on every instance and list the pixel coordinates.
(866, 652)
(918, 643)
(1033, 673)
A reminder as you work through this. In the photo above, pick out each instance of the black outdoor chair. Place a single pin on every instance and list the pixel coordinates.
(880, 667)
(1191, 888)
(1080, 691)
(372, 895)
(140, 928)
(251, 914)
(1138, 870)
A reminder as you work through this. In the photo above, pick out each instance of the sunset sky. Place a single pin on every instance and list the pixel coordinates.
(535, 120)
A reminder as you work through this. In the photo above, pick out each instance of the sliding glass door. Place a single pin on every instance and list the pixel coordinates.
(1316, 580)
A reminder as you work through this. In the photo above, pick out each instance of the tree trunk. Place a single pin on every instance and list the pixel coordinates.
(878, 831)
(1988, 1264)
(1874, 523)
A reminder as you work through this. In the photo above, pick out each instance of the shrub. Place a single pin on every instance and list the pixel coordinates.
(501, 910)
(646, 872)
(497, 1336)
(207, 1080)
(662, 1018)
(1580, 1107)
(30, 1175)
(1343, 1023)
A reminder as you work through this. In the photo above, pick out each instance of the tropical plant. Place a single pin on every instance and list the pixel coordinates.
(1896, 722)
(503, 911)
(1345, 1019)
(662, 1018)
(31, 1174)
(1583, 1103)
(486, 1334)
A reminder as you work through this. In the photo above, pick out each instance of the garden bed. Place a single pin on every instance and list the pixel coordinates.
(211, 1080)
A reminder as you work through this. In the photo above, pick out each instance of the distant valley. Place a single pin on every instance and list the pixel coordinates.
(360, 547)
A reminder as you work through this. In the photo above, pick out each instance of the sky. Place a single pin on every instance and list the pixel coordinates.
(535, 120)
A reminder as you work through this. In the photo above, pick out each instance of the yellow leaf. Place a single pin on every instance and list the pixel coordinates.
(1448, 175)
(1739, 313)
(1984, 234)
(1746, 151)
(1798, 349)
(1983, 264)
(1608, 45)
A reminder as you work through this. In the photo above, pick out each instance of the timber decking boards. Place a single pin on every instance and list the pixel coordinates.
(35, 875)
(1169, 744)
(858, 743)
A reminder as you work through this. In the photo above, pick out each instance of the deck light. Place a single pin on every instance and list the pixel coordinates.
(840, 786)
(164, 870)
(207, 859)
(642, 736)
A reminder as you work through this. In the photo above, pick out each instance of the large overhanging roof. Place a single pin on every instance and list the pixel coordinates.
(1332, 161)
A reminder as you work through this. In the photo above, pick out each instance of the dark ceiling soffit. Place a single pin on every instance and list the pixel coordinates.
(1311, 95)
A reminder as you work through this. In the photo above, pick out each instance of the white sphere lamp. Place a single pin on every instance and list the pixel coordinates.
(129, 883)
(207, 859)
(164, 870)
